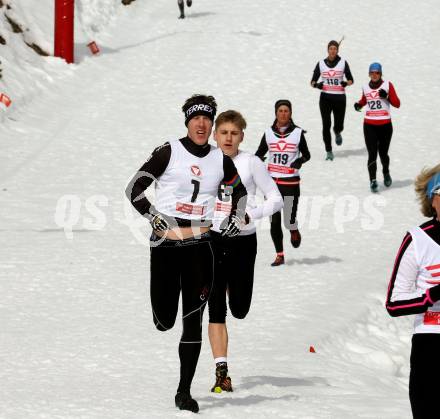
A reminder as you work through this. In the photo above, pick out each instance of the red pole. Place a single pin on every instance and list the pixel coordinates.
(64, 18)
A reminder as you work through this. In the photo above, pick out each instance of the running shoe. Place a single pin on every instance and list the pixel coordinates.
(338, 138)
(279, 260)
(184, 401)
(295, 238)
(222, 381)
(387, 180)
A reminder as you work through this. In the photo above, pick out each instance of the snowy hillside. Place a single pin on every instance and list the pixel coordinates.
(77, 337)
(26, 31)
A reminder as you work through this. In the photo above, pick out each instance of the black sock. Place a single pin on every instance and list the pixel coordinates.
(189, 356)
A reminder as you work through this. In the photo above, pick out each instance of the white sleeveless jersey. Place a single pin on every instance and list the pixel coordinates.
(377, 108)
(427, 254)
(253, 175)
(332, 77)
(282, 153)
(189, 185)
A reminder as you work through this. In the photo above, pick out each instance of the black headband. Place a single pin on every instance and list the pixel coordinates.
(199, 109)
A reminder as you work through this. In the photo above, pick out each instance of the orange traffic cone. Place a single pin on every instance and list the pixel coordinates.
(93, 47)
(5, 99)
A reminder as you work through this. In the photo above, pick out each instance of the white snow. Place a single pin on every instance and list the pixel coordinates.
(77, 337)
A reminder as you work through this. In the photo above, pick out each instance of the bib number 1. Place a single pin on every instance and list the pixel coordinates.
(196, 190)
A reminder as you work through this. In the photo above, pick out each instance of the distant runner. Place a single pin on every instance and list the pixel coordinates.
(335, 75)
(288, 151)
(378, 95)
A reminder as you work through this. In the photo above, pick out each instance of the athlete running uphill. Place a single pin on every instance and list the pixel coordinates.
(235, 256)
(288, 151)
(188, 173)
(332, 75)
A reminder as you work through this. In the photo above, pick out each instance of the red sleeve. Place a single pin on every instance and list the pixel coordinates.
(392, 96)
(363, 100)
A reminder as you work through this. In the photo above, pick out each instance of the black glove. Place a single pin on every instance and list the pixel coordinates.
(159, 223)
(434, 293)
(297, 163)
(344, 83)
(319, 85)
(230, 226)
(357, 107)
(383, 94)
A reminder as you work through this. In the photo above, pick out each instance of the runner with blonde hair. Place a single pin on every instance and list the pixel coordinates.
(414, 288)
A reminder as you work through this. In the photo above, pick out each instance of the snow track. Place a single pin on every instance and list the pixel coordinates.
(77, 338)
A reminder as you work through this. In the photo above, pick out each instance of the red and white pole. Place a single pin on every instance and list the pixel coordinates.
(64, 24)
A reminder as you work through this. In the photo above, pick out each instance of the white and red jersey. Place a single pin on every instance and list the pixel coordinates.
(254, 176)
(332, 77)
(189, 185)
(283, 151)
(417, 270)
(376, 108)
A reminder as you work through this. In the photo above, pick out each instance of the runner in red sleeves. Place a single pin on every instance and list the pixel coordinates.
(378, 96)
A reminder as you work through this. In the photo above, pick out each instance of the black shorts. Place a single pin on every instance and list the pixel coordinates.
(234, 273)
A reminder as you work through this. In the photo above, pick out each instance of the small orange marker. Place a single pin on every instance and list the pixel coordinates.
(312, 350)
(5, 99)
(93, 47)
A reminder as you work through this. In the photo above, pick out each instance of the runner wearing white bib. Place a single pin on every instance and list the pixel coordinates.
(188, 173)
(378, 96)
(235, 257)
(332, 75)
(414, 289)
(288, 150)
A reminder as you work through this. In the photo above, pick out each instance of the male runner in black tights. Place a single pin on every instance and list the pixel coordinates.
(188, 173)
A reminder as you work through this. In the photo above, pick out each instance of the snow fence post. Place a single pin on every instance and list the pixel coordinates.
(64, 24)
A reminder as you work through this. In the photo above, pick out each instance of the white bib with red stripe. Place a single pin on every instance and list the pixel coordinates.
(188, 187)
(427, 253)
(377, 108)
(283, 151)
(332, 77)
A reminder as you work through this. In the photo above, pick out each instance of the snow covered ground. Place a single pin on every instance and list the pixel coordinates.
(76, 336)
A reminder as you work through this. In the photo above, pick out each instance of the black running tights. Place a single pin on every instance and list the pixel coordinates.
(290, 194)
(182, 267)
(423, 378)
(234, 272)
(378, 139)
(329, 103)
